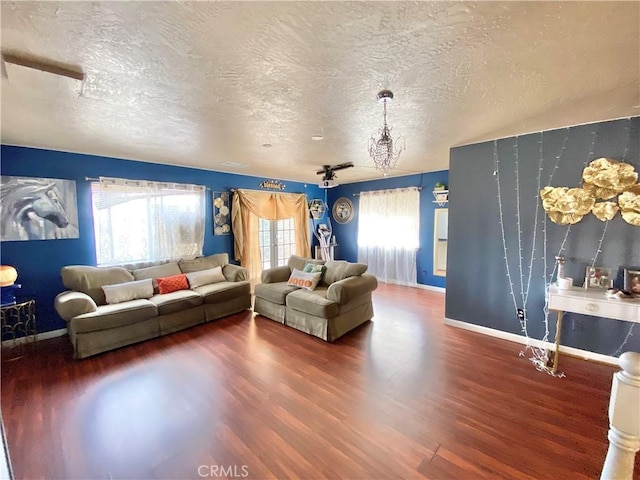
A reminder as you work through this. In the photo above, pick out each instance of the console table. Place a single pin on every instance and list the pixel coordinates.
(589, 302)
(19, 320)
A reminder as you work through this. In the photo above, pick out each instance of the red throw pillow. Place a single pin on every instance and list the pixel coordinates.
(172, 283)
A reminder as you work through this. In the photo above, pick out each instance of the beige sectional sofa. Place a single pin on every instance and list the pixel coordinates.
(340, 303)
(95, 326)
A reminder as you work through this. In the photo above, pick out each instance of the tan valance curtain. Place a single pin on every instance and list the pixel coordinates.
(249, 206)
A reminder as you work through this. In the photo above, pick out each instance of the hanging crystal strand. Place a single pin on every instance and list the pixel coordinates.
(624, 159)
(496, 173)
(538, 354)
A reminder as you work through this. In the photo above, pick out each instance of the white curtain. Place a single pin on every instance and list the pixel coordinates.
(388, 233)
(141, 221)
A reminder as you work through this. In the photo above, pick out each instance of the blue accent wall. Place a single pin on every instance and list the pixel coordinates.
(478, 287)
(39, 261)
(347, 234)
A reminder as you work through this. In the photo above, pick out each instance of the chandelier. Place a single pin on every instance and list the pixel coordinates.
(381, 149)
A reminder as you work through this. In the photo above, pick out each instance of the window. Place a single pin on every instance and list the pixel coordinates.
(141, 221)
(389, 233)
(277, 242)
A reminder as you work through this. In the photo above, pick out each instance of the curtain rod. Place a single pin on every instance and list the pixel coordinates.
(96, 179)
(233, 190)
(357, 194)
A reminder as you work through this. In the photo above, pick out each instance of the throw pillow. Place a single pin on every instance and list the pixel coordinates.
(123, 292)
(314, 268)
(205, 277)
(304, 279)
(172, 283)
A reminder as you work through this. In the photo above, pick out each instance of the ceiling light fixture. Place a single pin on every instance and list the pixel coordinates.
(317, 137)
(381, 149)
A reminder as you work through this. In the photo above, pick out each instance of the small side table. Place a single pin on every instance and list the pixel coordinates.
(19, 320)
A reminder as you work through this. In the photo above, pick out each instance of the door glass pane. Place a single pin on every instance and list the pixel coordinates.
(277, 242)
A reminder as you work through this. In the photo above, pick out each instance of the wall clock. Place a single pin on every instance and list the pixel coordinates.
(343, 210)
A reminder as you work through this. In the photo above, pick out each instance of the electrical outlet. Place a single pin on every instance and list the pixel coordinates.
(520, 313)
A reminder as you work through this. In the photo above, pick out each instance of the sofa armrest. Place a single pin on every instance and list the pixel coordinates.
(275, 275)
(235, 273)
(70, 304)
(343, 291)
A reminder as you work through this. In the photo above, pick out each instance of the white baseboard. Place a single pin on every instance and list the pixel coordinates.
(513, 337)
(39, 336)
(416, 285)
(433, 288)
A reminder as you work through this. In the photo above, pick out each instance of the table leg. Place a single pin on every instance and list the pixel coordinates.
(558, 332)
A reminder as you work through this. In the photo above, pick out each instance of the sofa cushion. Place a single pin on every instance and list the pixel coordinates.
(123, 292)
(205, 277)
(339, 270)
(313, 303)
(113, 316)
(70, 304)
(164, 270)
(176, 301)
(204, 263)
(275, 275)
(274, 292)
(223, 291)
(172, 284)
(90, 280)
(300, 262)
(349, 289)
(306, 280)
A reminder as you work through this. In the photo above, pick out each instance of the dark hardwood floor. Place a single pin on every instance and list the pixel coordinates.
(403, 396)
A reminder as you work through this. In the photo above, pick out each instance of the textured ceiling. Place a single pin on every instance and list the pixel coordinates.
(202, 83)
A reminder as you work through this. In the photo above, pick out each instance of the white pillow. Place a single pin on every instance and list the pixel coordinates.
(304, 279)
(123, 292)
(205, 277)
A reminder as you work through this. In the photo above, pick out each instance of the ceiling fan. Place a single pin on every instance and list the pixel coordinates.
(328, 174)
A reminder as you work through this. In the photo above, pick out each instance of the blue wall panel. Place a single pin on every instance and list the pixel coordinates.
(347, 234)
(478, 288)
(39, 262)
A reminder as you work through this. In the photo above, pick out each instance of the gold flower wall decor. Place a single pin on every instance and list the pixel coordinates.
(566, 206)
(630, 207)
(602, 179)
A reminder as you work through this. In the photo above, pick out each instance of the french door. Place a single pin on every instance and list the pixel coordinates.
(277, 242)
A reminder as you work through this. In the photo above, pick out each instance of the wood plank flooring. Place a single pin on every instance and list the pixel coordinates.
(403, 396)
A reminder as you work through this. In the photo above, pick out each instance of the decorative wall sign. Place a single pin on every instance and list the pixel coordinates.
(273, 185)
(343, 210)
(38, 209)
(221, 214)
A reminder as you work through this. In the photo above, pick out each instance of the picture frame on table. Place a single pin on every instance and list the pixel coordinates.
(632, 281)
(598, 278)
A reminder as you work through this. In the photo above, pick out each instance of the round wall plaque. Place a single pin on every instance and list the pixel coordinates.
(343, 210)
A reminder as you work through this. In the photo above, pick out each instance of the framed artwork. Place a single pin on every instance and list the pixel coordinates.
(632, 281)
(38, 209)
(343, 210)
(598, 278)
(221, 214)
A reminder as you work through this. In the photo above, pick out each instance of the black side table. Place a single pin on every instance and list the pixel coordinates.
(19, 323)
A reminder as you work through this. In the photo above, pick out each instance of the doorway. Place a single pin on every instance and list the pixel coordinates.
(277, 242)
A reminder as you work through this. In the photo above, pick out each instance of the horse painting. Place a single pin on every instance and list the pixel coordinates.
(37, 208)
